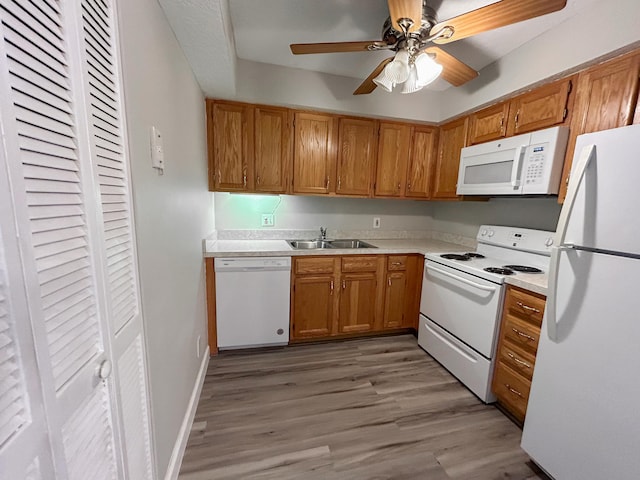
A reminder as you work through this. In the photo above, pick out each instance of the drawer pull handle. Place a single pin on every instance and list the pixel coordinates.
(527, 307)
(396, 264)
(517, 360)
(513, 390)
(389, 281)
(524, 335)
(331, 287)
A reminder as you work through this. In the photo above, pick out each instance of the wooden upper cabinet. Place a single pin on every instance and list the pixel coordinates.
(488, 124)
(541, 108)
(272, 158)
(356, 156)
(394, 141)
(231, 137)
(606, 97)
(452, 139)
(314, 157)
(424, 148)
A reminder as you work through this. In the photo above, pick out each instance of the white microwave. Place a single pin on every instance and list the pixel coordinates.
(529, 164)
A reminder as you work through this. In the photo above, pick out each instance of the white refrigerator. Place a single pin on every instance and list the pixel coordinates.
(583, 415)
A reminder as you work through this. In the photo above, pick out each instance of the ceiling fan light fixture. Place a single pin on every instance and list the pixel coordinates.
(427, 70)
(396, 71)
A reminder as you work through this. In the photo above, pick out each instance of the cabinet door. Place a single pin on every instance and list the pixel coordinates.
(544, 107)
(232, 147)
(488, 124)
(357, 306)
(421, 161)
(272, 149)
(452, 140)
(606, 96)
(314, 153)
(356, 156)
(312, 306)
(394, 141)
(395, 299)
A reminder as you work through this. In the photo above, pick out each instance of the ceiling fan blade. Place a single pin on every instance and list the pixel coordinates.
(496, 15)
(405, 9)
(453, 70)
(334, 47)
(368, 86)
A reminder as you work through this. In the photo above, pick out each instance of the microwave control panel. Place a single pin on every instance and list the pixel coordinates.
(542, 162)
(536, 159)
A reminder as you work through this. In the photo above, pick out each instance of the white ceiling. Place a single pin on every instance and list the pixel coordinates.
(264, 29)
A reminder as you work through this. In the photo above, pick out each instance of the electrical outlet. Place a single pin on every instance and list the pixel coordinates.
(267, 220)
(198, 346)
(376, 222)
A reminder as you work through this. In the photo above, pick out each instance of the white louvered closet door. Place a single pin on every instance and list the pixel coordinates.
(66, 162)
(103, 98)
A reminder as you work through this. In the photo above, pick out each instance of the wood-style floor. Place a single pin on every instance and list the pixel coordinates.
(377, 408)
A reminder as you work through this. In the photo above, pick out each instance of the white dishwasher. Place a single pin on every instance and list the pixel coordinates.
(252, 301)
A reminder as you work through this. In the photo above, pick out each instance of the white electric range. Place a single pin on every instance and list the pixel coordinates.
(462, 296)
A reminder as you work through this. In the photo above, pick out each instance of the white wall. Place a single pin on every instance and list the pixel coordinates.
(596, 31)
(275, 85)
(309, 213)
(173, 212)
(464, 218)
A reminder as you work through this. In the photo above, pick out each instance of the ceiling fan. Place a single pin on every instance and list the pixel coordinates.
(412, 31)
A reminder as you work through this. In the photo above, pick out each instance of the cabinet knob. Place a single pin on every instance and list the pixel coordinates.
(398, 187)
(327, 183)
(389, 281)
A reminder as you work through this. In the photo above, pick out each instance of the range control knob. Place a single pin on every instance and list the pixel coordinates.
(483, 232)
(549, 241)
(491, 233)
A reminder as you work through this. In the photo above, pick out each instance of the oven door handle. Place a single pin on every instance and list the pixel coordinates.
(486, 288)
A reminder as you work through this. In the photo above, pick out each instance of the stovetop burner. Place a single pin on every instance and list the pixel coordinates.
(456, 256)
(474, 255)
(523, 268)
(499, 271)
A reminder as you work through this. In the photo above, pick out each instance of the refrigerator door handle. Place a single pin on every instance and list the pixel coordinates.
(587, 154)
(550, 310)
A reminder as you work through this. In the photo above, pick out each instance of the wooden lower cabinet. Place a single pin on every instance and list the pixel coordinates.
(357, 313)
(354, 294)
(517, 348)
(313, 306)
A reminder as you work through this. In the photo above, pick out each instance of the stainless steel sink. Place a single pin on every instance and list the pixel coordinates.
(308, 244)
(350, 244)
(321, 244)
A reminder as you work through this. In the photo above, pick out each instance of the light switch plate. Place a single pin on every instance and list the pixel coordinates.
(157, 150)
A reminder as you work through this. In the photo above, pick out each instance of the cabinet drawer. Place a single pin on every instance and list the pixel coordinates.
(396, 262)
(359, 264)
(525, 306)
(521, 334)
(518, 360)
(511, 390)
(313, 265)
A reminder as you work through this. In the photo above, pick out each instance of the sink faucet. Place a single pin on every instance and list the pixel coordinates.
(323, 233)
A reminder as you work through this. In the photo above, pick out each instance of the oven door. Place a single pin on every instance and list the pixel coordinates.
(464, 305)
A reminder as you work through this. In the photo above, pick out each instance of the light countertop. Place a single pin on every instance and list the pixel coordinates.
(279, 248)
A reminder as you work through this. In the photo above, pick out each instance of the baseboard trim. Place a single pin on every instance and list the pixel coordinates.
(185, 429)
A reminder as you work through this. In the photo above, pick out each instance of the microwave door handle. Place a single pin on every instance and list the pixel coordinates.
(515, 173)
(587, 154)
